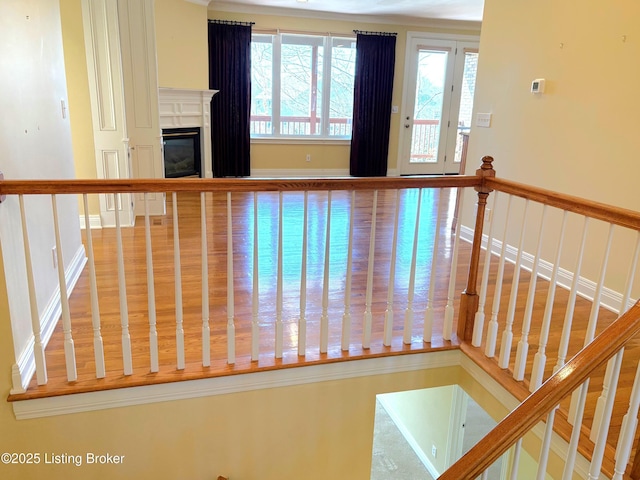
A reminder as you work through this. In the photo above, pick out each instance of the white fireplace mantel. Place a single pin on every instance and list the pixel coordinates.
(189, 108)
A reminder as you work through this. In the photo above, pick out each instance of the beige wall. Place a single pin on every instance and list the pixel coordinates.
(78, 90)
(316, 431)
(182, 44)
(427, 415)
(181, 31)
(579, 136)
(323, 156)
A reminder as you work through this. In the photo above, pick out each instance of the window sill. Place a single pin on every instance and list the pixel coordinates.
(300, 141)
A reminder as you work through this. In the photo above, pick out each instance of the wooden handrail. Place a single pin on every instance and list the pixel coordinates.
(618, 216)
(542, 401)
(15, 187)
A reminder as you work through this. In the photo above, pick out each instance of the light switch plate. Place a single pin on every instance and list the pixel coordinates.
(483, 120)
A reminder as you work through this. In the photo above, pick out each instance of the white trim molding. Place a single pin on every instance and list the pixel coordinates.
(189, 108)
(123, 397)
(25, 366)
(95, 222)
(611, 300)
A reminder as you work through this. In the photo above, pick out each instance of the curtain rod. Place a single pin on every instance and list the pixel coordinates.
(384, 34)
(232, 22)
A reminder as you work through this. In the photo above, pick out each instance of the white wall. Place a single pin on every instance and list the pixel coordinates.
(36, 143)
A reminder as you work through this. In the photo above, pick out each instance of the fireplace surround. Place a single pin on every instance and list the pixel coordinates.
(182, 109)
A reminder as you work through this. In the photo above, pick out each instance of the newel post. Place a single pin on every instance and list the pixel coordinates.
(469, 299)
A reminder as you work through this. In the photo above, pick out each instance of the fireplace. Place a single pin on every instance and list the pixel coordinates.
(181, 148)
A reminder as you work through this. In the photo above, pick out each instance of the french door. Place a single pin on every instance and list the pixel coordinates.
(437, 104)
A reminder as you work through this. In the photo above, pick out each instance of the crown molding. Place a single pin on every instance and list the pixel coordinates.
(444, 24)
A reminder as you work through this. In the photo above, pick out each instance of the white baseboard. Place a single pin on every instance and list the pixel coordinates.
(306, 172)
(25, 366)
(297, 173)
(409, 438)
(610, 299)
(95, 222)
(123, 397)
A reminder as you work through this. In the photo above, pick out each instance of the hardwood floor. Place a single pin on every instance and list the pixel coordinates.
(189, 225)
(243, 237)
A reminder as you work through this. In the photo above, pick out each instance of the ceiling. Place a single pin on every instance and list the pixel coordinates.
(453, 10)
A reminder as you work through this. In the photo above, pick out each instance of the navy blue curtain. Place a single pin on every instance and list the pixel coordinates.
(375, 63)
(230, 73)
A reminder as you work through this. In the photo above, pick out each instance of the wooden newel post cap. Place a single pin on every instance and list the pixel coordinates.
(2, 197)
(485, 171)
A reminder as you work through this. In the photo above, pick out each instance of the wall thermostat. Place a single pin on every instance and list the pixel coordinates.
(537, 86)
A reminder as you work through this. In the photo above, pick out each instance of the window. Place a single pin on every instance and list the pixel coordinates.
(302, 86)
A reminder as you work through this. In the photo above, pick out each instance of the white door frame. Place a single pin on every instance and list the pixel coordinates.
(404, 139)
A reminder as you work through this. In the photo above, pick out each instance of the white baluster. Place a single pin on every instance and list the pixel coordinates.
(447, 328)
(98, 347)
(346, 316)
(388, 316)
(279, 327)
(545, 448)
(408, 313)
(451, 292)
(568, 318)
(492, 330)
(591, 330)
(478, 323)
(605, 419)
(122, 293)
(572, 449)
(69, 349)
(255, 311)
(515, 461)
(231, 329)
(151, 295)
(38, 347)
(302, 324)
(523, 345)
(178, 286)
(324, 318)
(540, 358)
(625, 301)
(507, 335)
(366, 330)
(427, 332)
(206, 329)
(628, 430)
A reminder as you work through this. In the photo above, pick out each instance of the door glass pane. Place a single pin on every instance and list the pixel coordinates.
(427, 112)
(466, 99)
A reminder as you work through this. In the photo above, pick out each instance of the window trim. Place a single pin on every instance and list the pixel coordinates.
(327, 42)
